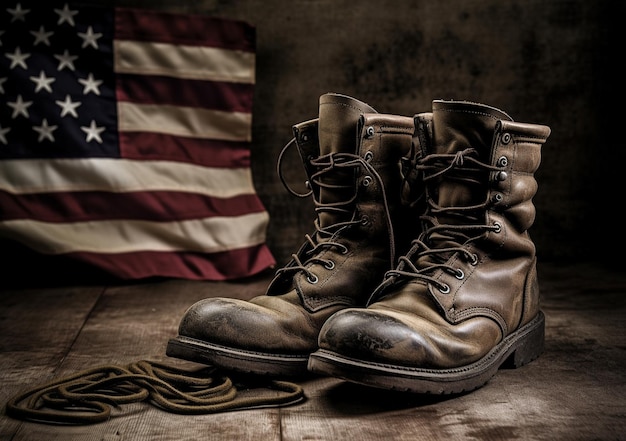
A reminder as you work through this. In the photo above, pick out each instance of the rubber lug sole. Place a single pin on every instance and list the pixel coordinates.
(518, 349)
(247, 362)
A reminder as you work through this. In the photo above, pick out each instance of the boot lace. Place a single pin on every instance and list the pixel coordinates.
(87, 397)
(325, 237)
(439, 241)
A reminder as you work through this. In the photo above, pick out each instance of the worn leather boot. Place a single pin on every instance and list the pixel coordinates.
(465, 299)
(351, 155)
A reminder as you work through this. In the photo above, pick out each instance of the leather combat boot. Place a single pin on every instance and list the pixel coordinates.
(465, 299)
(352, 158)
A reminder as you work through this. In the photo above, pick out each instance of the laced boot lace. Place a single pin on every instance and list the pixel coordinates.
(447, 230)
(325, 237)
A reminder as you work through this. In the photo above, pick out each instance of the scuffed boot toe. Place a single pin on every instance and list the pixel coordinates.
(375, 348)
(240, 336)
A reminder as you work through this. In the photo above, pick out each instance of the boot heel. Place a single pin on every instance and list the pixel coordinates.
(530, 345)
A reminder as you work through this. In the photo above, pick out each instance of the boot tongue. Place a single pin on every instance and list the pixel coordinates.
(339, 116)
(459, 125)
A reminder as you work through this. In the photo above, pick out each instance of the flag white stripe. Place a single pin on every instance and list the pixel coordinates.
(124, 236)
(180, 61)
(26, 176)
(184, 121)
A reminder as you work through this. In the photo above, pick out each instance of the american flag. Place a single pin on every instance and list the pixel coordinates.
(125, 140)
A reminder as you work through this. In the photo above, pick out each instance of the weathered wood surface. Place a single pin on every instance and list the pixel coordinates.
(575, 391)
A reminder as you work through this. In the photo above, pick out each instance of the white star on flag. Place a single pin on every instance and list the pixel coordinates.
(18, 58)
(93, 132)
(3, 132)
(45, 131)
(91, 84)
(20, 107)
(43, 82)
(66, 60)
(18, 14)
(89, 38)
(41, 36)
(66, 15)
(68, 106)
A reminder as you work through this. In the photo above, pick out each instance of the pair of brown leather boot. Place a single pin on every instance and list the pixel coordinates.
(420, 274)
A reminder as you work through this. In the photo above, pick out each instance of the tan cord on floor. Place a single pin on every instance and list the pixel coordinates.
(87, 396)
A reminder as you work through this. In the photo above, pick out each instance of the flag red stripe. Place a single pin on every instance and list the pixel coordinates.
(154, 89)
(206, 152)
(189, 30)
(92, 267)
(152, 206)
(196, 266)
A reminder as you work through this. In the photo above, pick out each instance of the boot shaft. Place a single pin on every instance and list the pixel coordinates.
(474, 255)
(352, 156)
(338, 135)
(462, 129)
(480, 184)
(384, 180)
(352, 159)
(480, 172)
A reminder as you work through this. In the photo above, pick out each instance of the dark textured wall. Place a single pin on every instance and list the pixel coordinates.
(552, 62)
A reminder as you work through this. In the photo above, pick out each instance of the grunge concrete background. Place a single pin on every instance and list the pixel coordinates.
(552, 62)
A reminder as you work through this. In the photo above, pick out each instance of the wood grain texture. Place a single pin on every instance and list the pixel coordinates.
(38, 328)
(574, 391)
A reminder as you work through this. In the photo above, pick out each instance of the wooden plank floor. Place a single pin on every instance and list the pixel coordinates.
(575, 391)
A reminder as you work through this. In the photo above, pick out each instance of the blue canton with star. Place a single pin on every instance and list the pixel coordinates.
(57, 86)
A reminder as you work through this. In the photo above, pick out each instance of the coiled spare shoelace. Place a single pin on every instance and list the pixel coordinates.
(88, 396)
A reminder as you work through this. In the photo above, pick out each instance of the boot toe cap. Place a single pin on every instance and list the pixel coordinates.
(386, 337)
(221, 320)
(247, 325)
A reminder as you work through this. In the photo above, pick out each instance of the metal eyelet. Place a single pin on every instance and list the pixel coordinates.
(370, 131)
(312, 278)
(503, 161)
(367, 180)
(497, 197)
(474, 260)
(329, 265)
(307, 184)
(501, 176)
(444, 289)
(459, 274)
(506, 138)
(365, 220)
(368, 156)
(497, 227)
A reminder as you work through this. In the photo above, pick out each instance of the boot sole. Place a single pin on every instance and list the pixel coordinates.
(518, 349)
(247, 362)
